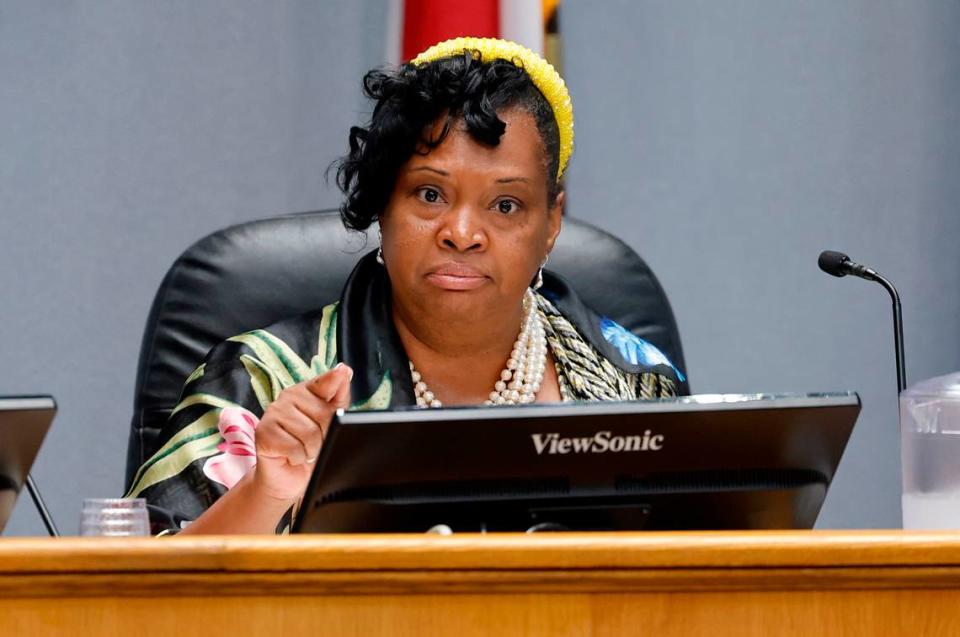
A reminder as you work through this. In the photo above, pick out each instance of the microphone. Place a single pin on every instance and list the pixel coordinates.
(839, 265)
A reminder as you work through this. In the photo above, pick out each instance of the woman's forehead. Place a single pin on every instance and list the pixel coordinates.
(520, 151)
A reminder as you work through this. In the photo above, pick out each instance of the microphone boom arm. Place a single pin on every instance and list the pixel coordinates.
(897, 328)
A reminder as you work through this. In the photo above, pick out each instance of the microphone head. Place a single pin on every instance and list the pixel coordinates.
(832, 262)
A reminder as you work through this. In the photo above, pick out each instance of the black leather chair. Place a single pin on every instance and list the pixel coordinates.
(257, 273)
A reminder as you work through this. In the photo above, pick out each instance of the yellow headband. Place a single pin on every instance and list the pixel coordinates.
(544, 77)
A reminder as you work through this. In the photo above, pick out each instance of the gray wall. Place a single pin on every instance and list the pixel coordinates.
(728, 142)
(127, 131)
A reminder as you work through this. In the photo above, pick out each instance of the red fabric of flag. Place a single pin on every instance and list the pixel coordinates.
(427, 22)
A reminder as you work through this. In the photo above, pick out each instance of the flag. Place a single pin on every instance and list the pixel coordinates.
(415, 25)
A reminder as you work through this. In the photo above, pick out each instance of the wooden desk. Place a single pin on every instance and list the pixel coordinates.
(662, 584)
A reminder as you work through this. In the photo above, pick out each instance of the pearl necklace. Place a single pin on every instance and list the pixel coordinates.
(522, 376)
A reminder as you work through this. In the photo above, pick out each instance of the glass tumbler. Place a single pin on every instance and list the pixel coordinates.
(114, 517)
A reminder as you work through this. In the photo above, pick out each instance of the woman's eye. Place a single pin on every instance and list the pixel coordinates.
(430, 195)
(506, 206)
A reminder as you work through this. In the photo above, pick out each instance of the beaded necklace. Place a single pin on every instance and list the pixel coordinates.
(522, 375)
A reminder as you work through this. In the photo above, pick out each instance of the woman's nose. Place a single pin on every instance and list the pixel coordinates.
(462, 231)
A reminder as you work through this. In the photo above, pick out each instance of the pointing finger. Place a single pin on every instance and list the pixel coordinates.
(327, 385)
(341, 399)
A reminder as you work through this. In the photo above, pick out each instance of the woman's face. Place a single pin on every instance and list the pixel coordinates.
(468, 225)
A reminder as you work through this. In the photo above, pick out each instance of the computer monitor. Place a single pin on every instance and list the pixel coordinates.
(697, 462)
(24, 421)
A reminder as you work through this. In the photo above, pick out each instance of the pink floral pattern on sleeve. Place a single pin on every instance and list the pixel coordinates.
(238, 427)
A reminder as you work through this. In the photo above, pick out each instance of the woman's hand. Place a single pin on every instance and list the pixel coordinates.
(288, 441)
(292, 431)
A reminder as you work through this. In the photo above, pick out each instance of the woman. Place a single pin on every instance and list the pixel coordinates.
(460, 168)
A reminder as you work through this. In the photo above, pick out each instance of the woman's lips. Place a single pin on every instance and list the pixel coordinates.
(456, 276)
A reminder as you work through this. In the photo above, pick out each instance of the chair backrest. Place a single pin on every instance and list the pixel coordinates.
(257, 273)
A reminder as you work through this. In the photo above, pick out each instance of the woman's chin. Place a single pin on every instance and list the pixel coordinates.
(460, 305)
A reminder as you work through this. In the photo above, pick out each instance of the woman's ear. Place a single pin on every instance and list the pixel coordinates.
(555, 220)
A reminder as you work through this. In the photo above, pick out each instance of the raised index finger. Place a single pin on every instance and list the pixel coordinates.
(327, 386)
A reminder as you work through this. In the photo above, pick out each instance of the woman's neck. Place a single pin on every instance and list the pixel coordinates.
(460, 360)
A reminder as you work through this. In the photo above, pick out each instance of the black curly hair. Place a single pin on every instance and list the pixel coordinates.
(411, 99)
